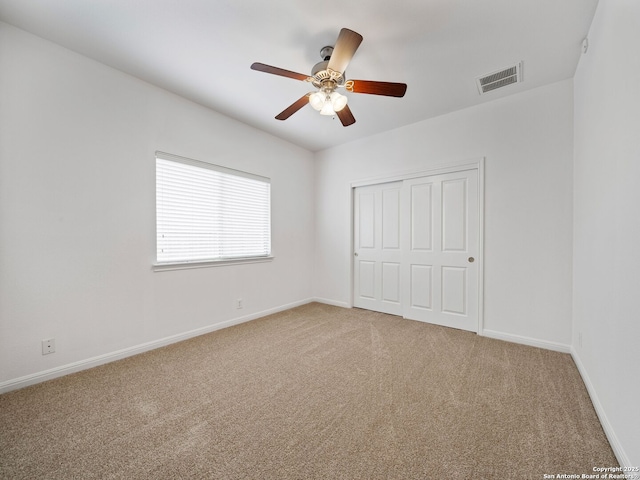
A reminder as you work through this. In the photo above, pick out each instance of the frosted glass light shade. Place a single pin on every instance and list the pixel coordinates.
(327, 104)
(338, 102)
(327, 108)
(317, 100)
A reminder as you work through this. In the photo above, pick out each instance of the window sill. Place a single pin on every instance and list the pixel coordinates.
(163, 267)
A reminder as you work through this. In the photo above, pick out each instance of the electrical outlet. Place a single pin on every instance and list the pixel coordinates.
(239, 303)
(48, 346)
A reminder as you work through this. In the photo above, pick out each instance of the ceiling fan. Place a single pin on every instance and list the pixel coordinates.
(329, 75)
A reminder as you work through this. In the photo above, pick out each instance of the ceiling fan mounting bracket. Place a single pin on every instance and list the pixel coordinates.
(325, 53)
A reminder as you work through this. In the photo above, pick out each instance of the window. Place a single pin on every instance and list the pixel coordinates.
(207, 213)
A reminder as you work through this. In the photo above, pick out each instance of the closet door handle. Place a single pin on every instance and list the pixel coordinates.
(355, 254)
(471, 259)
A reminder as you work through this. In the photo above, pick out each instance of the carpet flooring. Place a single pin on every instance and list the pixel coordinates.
(315, 392)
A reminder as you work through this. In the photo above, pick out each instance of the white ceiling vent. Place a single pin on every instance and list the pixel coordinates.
(500, 79)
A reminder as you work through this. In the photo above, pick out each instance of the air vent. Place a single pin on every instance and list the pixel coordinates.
(500, 79)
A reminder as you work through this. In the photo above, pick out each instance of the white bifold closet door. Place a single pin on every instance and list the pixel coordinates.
(416, 249)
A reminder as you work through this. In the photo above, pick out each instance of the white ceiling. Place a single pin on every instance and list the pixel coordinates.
(202, 50)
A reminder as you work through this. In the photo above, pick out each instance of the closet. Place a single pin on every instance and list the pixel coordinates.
(417, 246)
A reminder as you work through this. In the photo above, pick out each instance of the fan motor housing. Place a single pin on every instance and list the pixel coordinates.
(319, 67)
(323, 77)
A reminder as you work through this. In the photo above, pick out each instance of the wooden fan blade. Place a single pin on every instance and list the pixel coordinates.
(293, 108)
(345, 116)
(346, 45)
(388, 89)
(261, 67)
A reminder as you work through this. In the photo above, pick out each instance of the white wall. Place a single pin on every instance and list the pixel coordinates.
(607, 221)
(77, 212)
(527, 142)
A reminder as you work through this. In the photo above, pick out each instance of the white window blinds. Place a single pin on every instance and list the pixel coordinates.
(205, 212)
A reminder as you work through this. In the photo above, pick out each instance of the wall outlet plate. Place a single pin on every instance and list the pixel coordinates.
(48, 346)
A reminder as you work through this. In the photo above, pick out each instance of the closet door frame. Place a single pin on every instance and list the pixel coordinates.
(449, 167)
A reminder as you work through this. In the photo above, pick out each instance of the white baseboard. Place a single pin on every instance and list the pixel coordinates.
(532, 342)
(335, 303)
(62, 370)
(618, 451)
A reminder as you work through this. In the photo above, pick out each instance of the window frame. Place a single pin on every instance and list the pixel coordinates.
(206, 262)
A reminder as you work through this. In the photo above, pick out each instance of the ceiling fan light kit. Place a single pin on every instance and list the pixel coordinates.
(329, 75)
(327, 103)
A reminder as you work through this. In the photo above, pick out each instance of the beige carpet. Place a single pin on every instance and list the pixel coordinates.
(314, 392)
